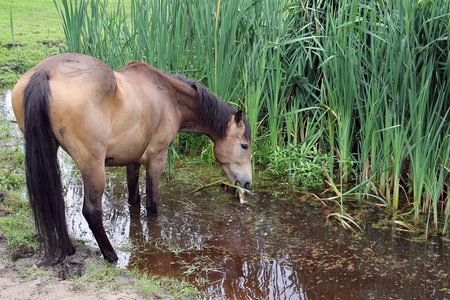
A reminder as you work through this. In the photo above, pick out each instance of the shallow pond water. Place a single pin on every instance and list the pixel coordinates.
(272, 247)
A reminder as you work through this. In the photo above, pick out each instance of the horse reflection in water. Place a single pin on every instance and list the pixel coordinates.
(218, 257)
(125, 118)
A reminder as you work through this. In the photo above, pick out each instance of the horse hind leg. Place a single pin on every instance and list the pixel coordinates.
(154, 167)
(94, 179)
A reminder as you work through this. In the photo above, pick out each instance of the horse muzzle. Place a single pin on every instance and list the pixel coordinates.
(244, 183)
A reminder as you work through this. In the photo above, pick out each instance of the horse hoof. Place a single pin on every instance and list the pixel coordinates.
(112, 258)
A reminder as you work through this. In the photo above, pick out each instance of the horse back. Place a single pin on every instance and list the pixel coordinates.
(81, 96)
(113, 116)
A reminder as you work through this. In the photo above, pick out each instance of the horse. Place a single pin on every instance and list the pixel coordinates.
(102, 117)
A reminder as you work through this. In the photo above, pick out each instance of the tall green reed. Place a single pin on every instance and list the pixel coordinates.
(380, 68)
(73, 16)
(217, 28)
(341, 75)
(389, 56)
(254, 83)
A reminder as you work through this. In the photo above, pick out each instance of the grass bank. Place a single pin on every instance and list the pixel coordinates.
(37, 34)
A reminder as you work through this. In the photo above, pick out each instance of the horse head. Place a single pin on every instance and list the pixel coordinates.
(233, 151)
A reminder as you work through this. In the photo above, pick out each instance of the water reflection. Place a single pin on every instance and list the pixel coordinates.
(236, 245)
(270, 248)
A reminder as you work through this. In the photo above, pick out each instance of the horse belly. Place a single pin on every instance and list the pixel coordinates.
(127, 151)
(136, 146)
(131, 133)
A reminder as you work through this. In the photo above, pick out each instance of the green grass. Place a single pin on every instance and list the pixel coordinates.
(150, 285)
(17, 223)
(37, 33)
(153, 286)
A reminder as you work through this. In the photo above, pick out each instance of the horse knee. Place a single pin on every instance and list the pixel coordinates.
(93, 216)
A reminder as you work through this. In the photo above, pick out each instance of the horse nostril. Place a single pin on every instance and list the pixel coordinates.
(245, 186)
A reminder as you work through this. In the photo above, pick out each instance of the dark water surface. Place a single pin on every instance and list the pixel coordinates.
(272, 247)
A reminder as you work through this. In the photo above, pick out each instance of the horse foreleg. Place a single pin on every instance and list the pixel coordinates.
(133, 184)
(152, 187)
(94, 185)
(154, 167)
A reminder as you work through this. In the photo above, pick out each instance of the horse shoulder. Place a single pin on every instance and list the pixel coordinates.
(147, 107)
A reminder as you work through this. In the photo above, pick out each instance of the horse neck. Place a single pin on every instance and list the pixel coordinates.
(185, 95)
(181, 92)
(191, 121)
(188, 104)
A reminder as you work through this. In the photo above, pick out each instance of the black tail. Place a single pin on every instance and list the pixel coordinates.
(42, 171)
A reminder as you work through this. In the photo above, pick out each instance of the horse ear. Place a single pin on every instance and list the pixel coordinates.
(239, 119)
(194, 86)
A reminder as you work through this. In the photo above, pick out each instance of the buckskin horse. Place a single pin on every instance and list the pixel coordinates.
(102, 117)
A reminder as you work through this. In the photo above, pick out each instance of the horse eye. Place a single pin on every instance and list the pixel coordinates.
(244, 146)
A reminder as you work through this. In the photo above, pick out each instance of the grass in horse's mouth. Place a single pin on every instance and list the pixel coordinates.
(240, 193)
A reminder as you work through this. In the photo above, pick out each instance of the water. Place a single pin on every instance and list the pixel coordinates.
(5, 105)
(272, 247)
(269, 248)
(7, 113)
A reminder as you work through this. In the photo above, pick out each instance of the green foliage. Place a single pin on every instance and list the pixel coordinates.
(296, 165)
(10, 180)
(18, 225)
(389, 58)
(29, 32)
(149, 285)
(12, 176)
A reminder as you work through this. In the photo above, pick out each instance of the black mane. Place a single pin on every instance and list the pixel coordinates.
(212, 111)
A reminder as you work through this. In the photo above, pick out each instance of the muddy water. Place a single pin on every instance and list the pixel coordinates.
(272, 247)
